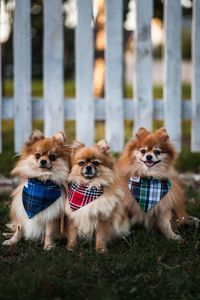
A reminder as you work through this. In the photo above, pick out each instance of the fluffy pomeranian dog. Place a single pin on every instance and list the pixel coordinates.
(155, 194)
(38, 201)
(94, 196)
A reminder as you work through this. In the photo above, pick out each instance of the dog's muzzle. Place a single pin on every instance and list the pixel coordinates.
(44, 164)
(88, 172)
(150, 163)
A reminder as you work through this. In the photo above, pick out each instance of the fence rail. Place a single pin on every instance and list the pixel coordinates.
(54, 109)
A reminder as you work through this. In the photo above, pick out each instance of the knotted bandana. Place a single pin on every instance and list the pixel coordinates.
(81, 195)
(38, 195)
(148, 191)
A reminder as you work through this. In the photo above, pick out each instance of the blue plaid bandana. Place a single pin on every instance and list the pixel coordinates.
(148, 191)
(38, 195)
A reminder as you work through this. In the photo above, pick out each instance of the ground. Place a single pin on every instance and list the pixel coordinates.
(141, 266)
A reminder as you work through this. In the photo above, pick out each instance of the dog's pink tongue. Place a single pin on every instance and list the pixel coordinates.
(149, 163)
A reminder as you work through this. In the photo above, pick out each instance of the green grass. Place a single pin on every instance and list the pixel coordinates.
(70, 90)
(141, 266)
(37, 88)
(158, 91)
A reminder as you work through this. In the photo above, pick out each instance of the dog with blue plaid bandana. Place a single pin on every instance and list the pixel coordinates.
(38, 202)
(154, 192)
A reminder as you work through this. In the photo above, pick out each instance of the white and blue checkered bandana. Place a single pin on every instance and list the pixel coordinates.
(148, 191)
(37, 195)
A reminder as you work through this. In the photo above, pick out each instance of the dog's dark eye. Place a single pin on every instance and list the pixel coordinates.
(52, 157)
(157, 152)
(37, 155)
(96, 163)
(143, 151)
(81, 163)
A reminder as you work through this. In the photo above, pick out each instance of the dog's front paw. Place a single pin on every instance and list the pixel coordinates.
(177, 237)
(70, 248)
(101, 250)
(9, 242)
(49, 247)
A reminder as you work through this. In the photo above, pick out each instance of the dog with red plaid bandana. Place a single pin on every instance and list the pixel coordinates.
(94, 198)
(154, 192)
(38, 202)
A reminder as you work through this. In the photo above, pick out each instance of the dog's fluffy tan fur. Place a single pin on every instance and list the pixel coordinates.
(45, 223)
(103, 217)
(133, 163)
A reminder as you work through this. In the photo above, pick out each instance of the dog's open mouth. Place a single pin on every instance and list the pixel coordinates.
(151, 163)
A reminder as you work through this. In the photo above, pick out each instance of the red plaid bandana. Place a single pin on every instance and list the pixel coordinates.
(81, 195)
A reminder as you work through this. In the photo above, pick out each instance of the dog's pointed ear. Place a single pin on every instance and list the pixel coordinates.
(60, 137)
(162, 134)
(141, 133)
(76, 145)
(103, 146)
(35, 136)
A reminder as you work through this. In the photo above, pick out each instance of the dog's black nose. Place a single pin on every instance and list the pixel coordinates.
(43, 162)
(149, 157)
(88, 169)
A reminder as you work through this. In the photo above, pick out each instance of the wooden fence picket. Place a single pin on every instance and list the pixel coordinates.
(84, 74)
(172, 70)
(0, 103)
(195, 134)
(53, 67)
(143, 82)
(114, 75)
(22, 72)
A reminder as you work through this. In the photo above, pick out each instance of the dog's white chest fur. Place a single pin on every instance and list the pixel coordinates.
(34, 228)
(86, 218)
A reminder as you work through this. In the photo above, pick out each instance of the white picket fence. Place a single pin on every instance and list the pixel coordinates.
(54, 109)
